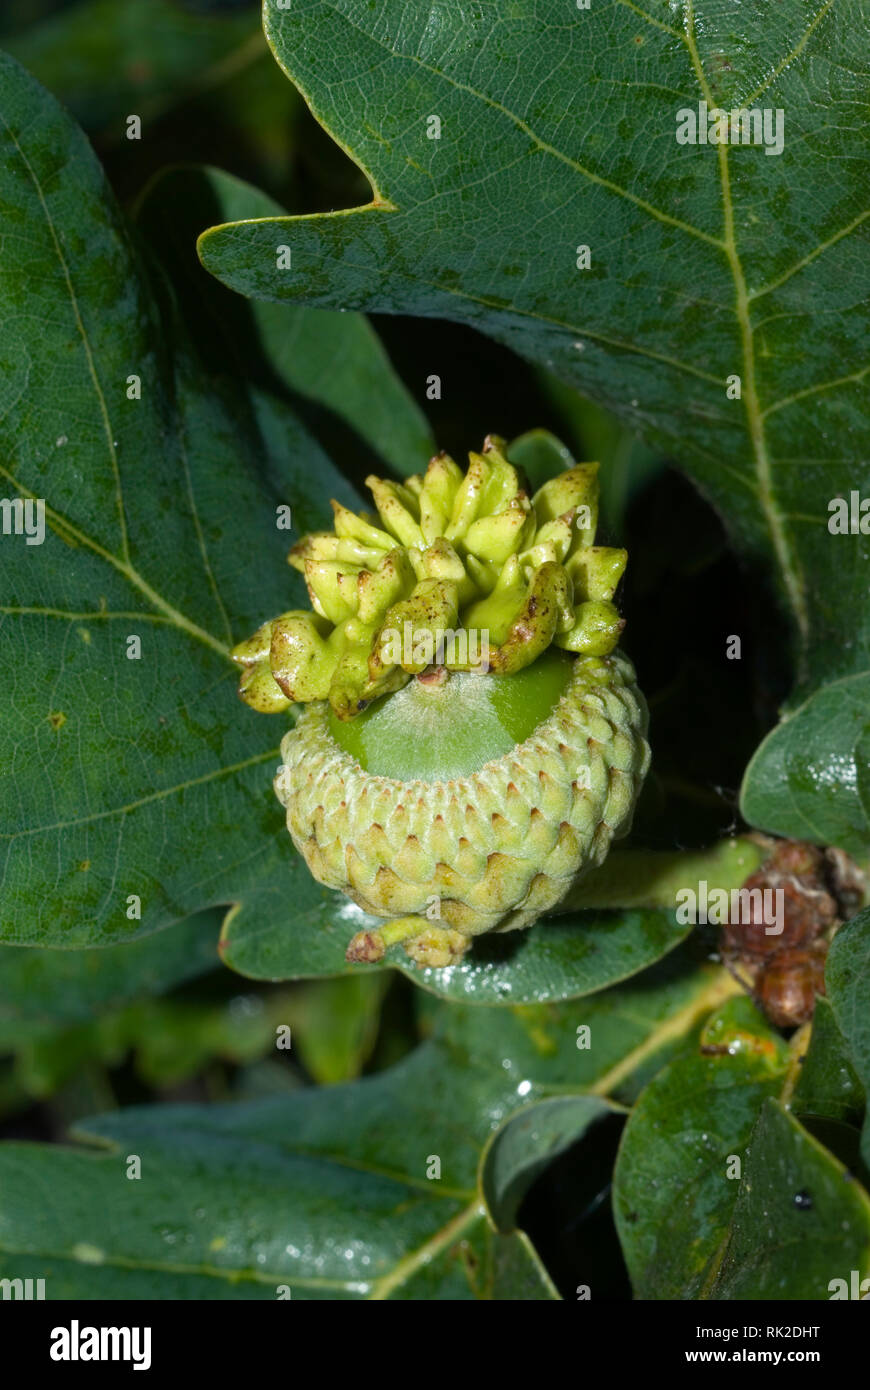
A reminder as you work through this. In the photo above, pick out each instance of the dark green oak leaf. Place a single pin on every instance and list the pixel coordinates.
(335, 1191)
(716, 1183)
(672, 1193)
(810, 778)
(828, 1085)
(800, 1222)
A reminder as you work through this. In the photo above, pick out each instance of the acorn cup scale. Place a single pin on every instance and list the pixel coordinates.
(471, 742)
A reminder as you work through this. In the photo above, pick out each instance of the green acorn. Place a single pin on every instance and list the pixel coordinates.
(471, 742)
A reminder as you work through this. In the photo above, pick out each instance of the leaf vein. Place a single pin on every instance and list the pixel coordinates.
(61, 524)
(160, 795)
(813, 390)
(92, 366)
(810, 256)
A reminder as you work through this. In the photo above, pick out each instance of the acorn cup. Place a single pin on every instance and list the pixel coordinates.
(471, 741)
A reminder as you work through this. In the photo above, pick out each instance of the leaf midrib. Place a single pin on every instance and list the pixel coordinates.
(159, 795)
(375, 1289)
(174, 616)
(80, 328)
(754, 416)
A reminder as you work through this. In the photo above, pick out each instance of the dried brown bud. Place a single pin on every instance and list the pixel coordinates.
(788, 984)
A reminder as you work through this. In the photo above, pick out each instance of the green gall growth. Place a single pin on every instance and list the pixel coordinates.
(468, 555)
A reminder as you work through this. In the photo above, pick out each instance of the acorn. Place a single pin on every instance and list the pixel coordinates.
(471, 740)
